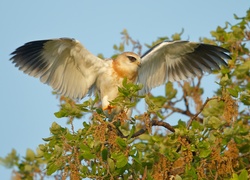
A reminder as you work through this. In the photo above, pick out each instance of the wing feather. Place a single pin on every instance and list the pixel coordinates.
(179, 60)
(64, 64)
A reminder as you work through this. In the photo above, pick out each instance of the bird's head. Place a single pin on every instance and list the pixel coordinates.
(127, 64)
(129, 59)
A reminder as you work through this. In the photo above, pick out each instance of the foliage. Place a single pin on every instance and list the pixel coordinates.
(213, 144)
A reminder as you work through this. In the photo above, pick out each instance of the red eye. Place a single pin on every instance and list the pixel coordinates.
(131, 58)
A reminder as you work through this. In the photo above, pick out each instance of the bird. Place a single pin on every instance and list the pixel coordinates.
(73, 71)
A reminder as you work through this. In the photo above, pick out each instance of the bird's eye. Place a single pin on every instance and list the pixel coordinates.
(131, 58)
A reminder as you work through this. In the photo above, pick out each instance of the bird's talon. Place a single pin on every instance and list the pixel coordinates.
(109, 108)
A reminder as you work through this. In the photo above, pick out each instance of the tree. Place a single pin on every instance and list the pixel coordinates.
(213, 144)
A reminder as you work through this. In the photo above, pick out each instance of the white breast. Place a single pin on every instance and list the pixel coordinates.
(107, 84)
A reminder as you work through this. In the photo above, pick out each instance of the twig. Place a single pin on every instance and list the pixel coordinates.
(71, 118)
(199, 81)
(165, 117)
(164, 124)
(144, 173)
(178, 110)
(143, 130)
(178, 100)
(198, 113)
(186, 100)
(138, 133)
(244, 155)
(136, 44)
(196, 116)
(120, 133)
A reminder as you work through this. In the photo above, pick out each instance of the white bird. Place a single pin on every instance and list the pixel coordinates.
(71, 70)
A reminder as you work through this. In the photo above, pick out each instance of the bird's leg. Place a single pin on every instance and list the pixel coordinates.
(108, 108)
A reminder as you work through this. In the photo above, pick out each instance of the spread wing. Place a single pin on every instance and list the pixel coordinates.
(64, 64)
(178, 60)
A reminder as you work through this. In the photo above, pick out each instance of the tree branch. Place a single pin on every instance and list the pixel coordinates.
(143, 130)
(162, 123)
(198, 113)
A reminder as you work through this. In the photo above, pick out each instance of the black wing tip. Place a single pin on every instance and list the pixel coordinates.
(38, 44)
(28, 59)
(225, 53)
(29, 47)
(222, 53)
(216, 48)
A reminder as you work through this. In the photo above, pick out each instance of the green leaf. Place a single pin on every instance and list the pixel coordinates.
(104, 154)
(51, 168)
(27, 167)
(125, 82)
(181, 124)
(58, 150)
(55, 128)
(88, 155)
(243, 130)
(135, 158)
(197, 126)
(121, 142)
(228, 131)
(205, 153)
(156, 138)
(177, 177)
(238, 139)
(213, 122)
(69, 136)
(30, 155)
(122, 161)
(10, 160)
(111, 164)
(99, 111)
(61, 114)
(86, 152)
(140, 146)
(233, 92)
(191, 172)
(48, 139)
(132, 131)
(132, 152)
(213, 108)
(39, 153)
(203, 144)
(243, 175)
(171, 155)
(170, 92)
(245, 98)
(177, 36)
(42, 147)
(115, 47)
(224, 80)
(93, 167)
(154, 103)
(84, 169)
(71, 109)
(234, 177)
(121, 48)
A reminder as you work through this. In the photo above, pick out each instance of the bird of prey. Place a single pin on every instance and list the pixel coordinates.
(71, 70)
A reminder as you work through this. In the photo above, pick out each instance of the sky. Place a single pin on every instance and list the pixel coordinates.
(27, 106)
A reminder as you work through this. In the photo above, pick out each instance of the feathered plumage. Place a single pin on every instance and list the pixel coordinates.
(71, 70)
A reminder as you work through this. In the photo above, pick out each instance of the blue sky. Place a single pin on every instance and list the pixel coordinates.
(27, 106)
